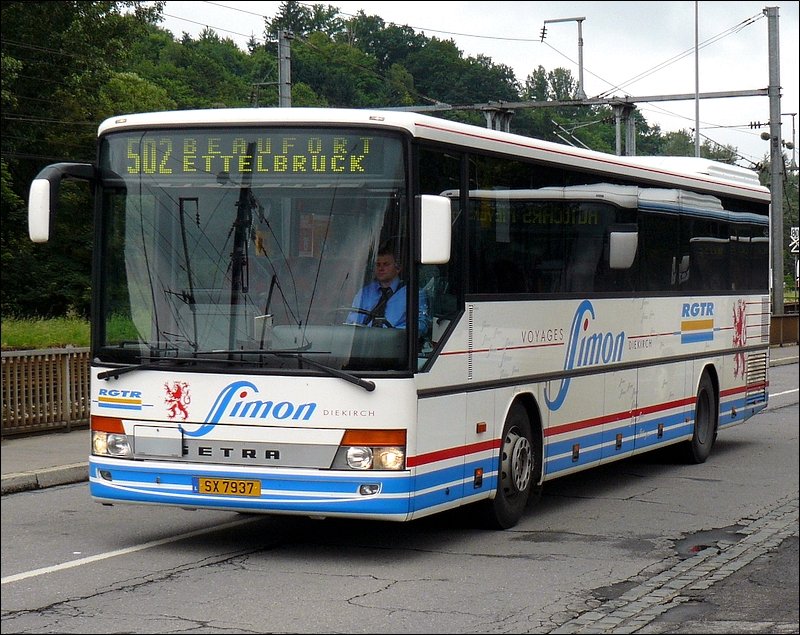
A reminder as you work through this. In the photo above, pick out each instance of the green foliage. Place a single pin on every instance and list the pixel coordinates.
(16, 245)
(389, 44)
(127, 93)
(343, 75)
(33, 333)
(19, 333)
(303, 20)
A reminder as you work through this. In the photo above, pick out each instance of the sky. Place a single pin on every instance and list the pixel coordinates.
(629, 49)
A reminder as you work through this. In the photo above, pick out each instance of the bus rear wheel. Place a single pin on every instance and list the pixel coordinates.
(515, 477)
(705, 423)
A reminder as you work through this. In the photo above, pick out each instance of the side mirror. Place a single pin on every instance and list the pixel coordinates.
(622, 249)
(43, 195)
(39, 211)
(434, 229)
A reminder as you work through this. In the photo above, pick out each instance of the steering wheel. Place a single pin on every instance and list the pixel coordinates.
(348, 310)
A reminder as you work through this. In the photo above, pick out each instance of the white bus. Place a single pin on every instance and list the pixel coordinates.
(566, 308)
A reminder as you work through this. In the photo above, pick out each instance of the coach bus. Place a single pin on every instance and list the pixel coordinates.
(567, 308)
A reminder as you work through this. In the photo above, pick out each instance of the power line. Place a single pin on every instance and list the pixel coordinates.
(731, 30)
(215, 28)
(46, 120)
(410, 26)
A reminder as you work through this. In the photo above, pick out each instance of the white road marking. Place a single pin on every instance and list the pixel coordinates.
(120, 552)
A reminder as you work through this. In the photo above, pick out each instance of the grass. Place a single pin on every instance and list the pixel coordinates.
(33, 333)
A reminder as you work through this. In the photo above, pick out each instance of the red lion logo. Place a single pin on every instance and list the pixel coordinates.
(177, 399)
(739, 336)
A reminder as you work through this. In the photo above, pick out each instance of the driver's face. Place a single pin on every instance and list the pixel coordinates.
(386, 269)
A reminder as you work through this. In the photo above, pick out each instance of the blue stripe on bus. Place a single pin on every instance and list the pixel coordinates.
(565, 447)
(690, 338)
(308, 494)
(558, 455)
(400, 495)
(740, 409)
(119, 406)
(376, 505)
(676, 426)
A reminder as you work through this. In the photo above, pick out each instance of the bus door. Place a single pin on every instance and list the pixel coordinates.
(439, 456)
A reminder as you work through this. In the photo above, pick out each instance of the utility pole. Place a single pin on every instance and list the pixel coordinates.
(623, 114)
(777, 168)
(696, 79)
(581, 94)
(284, 68)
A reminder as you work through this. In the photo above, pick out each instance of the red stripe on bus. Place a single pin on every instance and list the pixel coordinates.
(450, 453)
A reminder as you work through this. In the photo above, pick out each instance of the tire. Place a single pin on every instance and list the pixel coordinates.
(516, 471)
(706, 416)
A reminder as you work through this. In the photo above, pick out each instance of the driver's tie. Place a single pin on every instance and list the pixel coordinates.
(380, 308)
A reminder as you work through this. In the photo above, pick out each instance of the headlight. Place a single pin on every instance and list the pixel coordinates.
(371, 450)
(389, 458)
(359, 458)
(111, 444)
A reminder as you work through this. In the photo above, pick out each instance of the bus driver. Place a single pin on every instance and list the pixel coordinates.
(382, 302)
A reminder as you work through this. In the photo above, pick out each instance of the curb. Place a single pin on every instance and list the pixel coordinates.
(47, 477)
(639, 606)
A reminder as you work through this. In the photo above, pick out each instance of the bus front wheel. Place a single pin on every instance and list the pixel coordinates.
(515, 477)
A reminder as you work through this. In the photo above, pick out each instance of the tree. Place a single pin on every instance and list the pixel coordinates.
(341, 74)
(389, 44)
(59, 56)
(303, 20)
(127, 92)
(556, 85)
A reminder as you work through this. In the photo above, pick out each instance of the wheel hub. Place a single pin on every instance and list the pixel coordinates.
(517, 462)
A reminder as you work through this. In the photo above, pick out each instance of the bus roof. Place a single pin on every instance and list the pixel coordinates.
(687, 172)
(622, 195)
(651, 199)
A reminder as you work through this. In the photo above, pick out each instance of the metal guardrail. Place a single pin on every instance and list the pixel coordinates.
(784, 329)
(45, 390)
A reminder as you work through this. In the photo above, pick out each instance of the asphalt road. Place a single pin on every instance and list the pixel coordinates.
(739, 577)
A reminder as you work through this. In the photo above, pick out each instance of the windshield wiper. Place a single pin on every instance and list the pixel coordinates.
(366, 384)
(150, 363)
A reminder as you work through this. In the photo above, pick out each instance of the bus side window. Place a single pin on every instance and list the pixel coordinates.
(583, 261)
(658, 241)
(509, 277)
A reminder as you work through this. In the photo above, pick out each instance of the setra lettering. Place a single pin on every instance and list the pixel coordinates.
(228, 453)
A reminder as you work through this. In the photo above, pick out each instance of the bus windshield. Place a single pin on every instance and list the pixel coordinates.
(249, 246)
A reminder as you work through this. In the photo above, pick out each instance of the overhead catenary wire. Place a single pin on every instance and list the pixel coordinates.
(739, 26)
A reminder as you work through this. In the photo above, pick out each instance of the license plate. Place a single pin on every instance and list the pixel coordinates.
(228, 486)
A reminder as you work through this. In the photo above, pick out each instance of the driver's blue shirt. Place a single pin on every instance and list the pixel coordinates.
(395, 312)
